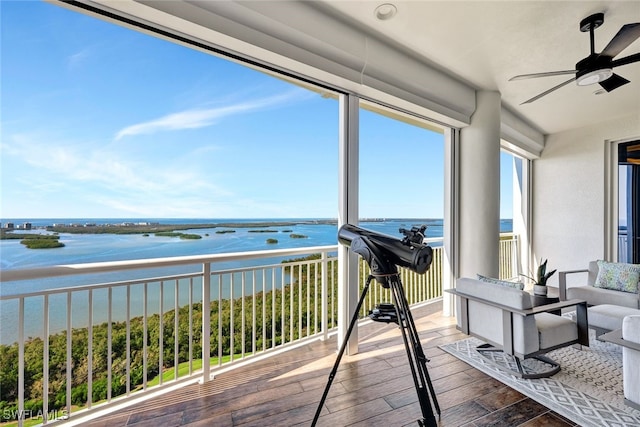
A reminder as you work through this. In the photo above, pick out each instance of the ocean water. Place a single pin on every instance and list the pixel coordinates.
(84, 248)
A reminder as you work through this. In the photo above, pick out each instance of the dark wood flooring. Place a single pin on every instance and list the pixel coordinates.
(371, 388)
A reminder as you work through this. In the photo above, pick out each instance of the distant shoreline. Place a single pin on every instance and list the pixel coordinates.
(155, 228)
(132, 226)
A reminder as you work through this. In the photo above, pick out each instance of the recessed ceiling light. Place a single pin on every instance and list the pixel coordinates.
(386, 11)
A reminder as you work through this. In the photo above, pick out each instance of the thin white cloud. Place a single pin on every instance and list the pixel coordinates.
(79, 166)
(198, 118)
(78, 58)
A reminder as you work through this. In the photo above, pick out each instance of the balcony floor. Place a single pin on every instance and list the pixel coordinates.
(372, 388)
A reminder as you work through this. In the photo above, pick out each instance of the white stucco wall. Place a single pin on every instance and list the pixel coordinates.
(569, 194)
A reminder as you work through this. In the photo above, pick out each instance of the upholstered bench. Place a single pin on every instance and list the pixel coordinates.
(631, 361)
(608, 317)
(629, 339)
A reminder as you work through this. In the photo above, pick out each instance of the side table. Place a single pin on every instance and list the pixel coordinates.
(538, 300)
(615, 337)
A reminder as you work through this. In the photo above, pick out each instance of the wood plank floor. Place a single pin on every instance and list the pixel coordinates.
(372, 388)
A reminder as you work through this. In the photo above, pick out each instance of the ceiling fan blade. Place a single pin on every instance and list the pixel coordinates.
(528, 101)
(536, 75)
(613, 82)
(627, 35)
(626, 60)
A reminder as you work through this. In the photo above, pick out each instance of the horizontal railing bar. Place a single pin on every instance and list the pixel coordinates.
(110, 266)
(106, 285)
(144, 280)
(158, 278)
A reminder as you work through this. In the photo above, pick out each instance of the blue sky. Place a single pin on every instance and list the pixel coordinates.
(102, 121)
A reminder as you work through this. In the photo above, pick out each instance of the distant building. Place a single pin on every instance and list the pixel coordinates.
(9, 226)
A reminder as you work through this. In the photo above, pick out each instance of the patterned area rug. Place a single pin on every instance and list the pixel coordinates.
(587, 390)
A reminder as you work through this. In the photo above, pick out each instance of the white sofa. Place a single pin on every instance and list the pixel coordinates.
(593, 295)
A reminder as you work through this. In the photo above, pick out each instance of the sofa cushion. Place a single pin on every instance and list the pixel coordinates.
(597, 296)
(631, 328)
(618, 276)
(505, 295)
(609, 317)
(555, 330)
(511, 284)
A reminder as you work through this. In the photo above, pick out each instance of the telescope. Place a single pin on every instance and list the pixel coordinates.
(410, 252)
(384, 253)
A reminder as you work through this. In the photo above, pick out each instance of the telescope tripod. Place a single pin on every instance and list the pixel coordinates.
(415, 354)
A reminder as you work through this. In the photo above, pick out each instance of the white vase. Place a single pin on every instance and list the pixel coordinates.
(539, 290)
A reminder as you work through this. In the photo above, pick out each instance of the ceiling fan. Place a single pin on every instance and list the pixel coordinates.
(597, 67)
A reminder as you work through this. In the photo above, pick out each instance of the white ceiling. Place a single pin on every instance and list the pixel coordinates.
(486, 43)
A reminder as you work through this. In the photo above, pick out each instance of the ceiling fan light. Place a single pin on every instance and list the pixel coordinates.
(595, 76)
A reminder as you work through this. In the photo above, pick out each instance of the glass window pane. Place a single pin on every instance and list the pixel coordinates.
(101, 121)
(401, 170)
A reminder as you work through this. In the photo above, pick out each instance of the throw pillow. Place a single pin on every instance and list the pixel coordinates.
(507, 283)
(618, 276)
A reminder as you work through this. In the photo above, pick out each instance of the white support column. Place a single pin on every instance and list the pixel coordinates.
(348, 289)
(522, 212)
(480, 188)
(611, 213)
(451, 217)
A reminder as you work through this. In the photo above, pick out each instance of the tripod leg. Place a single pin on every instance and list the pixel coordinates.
(332, 375)
(422, 359)
(415, 354)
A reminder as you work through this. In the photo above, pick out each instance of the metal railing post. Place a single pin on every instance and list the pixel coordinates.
(206, 322)
(45, 360)
(324, 296)
(21, 362)
(69, 360)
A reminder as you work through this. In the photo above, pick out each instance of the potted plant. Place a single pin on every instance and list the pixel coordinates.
(540, 281)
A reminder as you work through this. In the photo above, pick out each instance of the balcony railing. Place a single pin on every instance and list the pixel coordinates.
(88, 346)
(623, 246)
